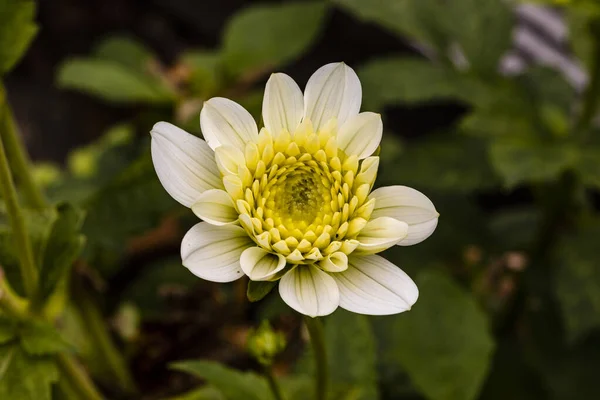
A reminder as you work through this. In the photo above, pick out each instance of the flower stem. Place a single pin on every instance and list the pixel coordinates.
(317, 338)
(9, 194)
(10, 302)
(275, 388)
(19, 160)
(77, 379)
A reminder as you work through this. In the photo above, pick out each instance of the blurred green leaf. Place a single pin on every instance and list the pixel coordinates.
(409, 80)
(443, 343)
(577, 282)
(514, 228)
(205, 71)
(257, 290)
(482, 29)
(40, 338)
(25, 377)
(204, 393)
(264, 37)
(112, 82)
(17, 30)
(64, 246)
(126, 51)
(402, 17)
(235, 385)
(460, 165)
(588, 167)
(351, 352)
(8, 329)
(527, 161)
(580, 36)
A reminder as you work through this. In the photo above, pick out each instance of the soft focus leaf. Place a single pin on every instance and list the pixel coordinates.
(588, 166)
(577, 282)
(522, 161)
(17, 30)
(205, 71)
(39, 338)
(443, 343)
(126, 51)
(257, 290)
(8, 329)
(235, 385)
(264, 37)
(460, 165)
(351, 353)
(204, 393)
(409, 80)
(64, 245)
(25, 377)
(111, 81)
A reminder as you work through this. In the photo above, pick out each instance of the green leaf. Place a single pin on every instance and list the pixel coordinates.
(25, 377)
(205, 71)
(112, 82)
(409, 80)
(235, 385)
(402, 17)
(528, 161)
(17, 30)
(264, 37)
(64, 245)
(481, 28)
(451, 170)
(204, 393)
(39, 338)
(443, 343)
(257, 290)
(577, 282)
(8, 329)
(588, 167)
(351, 352)
(125, 51)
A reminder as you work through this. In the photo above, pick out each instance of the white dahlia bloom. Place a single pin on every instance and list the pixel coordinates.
(293, 202)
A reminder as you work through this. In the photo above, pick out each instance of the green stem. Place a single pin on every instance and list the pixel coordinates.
(10, 302)
(275, 388)
(19, 160)
(99, 335)
(317, 338)
(591, 97)
(76, 378)
(9, 194)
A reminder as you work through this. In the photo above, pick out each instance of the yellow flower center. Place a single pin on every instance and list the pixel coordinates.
(300, 196)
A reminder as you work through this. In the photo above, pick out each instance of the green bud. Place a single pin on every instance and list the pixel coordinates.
(264, 344)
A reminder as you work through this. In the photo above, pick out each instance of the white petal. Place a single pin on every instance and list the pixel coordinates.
(283, 104)
(185, 165)
(260, 265)
(333, 91)
(215, 207)
(361, 134)
(380, 234)
(408, 205)
(336, 262)
(228, 159)
(373, 285)
(309, 291)
(226, 122)
(213, 252)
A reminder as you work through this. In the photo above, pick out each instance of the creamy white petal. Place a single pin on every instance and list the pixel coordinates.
(373, 285)
(215, 207)
(336, 262)
(225, 122)
(260, 265)
(309, 291)
(213, 252)
(283, 104)
(409, 205)
(333, 91)
(228, 159)
(380, 234)
(184, 163)
(361, 134)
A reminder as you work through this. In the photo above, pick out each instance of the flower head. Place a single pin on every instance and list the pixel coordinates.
(293, 202)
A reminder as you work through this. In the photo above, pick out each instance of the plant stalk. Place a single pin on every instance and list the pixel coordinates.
(273, 385)
(29, 271)
(317, 339)
(77, 379)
